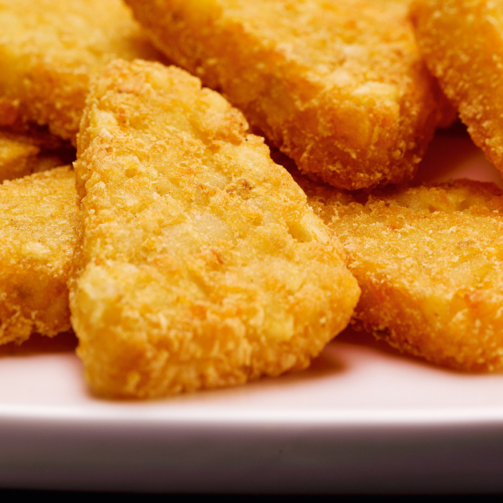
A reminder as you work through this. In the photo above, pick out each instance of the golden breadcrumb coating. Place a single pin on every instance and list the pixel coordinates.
(49, 49)
(202, 264)
(22, 154)
(339, 86)
(429, 261)
(39, 226)
(462, 43)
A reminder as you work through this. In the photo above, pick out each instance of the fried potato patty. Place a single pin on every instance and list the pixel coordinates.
(462, 43)
(49, 48)
(338, 86)
(429, 261)
(202, 264)
(39, 227)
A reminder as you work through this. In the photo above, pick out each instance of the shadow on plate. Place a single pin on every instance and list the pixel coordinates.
(39, 344)
(354, 337)
(452, 154)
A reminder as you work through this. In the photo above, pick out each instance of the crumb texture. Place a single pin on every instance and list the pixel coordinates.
(462, 43)
(39, 229)
(202, 264)
(429, 261)
(49, 49)
(338, 86)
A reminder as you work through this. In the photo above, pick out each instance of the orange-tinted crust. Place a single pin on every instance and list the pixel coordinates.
(202, 264)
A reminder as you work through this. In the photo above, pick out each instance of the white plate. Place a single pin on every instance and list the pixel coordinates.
(362, 419)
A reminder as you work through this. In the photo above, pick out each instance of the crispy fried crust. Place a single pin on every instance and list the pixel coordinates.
(462, 43)
(202, 264)
(429, 261)
(338, 86)
(39, 226)
(49, 48)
